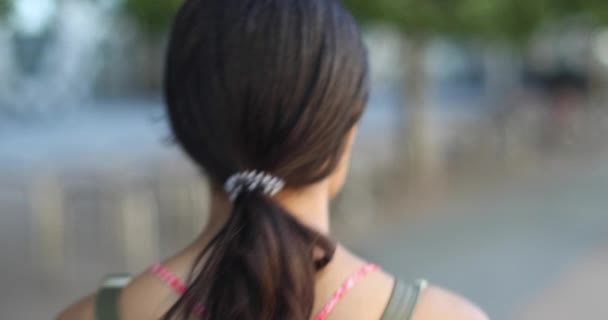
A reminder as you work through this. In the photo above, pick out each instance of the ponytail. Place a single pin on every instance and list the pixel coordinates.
(260, 266)
(273, 85)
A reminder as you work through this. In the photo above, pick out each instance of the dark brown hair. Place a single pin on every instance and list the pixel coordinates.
(271, 85)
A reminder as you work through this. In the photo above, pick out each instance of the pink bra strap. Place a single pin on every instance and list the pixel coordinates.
(178, 286)
(174, 283)
(346, 286)
(168, 278)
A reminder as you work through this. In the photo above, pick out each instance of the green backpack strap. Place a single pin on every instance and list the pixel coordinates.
(403, 300)
(107, 303)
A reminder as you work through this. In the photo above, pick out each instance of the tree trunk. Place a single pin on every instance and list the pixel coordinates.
(421, 153)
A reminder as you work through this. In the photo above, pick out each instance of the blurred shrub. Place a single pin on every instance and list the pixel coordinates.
(154, 17)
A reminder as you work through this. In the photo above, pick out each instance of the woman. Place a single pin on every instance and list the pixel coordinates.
(265, 96)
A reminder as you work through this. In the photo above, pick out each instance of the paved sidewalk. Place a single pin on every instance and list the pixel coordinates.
(527, 248)
(578, 293)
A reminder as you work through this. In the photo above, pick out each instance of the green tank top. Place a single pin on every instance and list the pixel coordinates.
(400, 306)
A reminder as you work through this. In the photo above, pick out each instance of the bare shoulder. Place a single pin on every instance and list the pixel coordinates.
(440, 304)
(81, 310)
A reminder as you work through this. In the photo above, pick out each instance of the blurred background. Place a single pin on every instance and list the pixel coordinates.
(481, 163)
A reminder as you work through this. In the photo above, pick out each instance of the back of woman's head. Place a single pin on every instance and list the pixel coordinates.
(274, 86)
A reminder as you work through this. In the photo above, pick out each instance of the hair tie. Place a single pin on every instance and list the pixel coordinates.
(253, 180)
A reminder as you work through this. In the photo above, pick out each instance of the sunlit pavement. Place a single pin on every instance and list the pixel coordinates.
(577, 293)
(533, 247)
(528, 247)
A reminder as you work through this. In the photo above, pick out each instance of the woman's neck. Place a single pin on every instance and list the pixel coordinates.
(308, 205)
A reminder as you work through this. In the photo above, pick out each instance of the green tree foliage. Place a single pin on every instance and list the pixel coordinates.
(509, 19)
(4, 7)
(506, 19)
(153, 16)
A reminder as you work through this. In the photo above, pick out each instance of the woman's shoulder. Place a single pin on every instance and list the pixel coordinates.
(81, 310)
(122, 295)
(436, 303)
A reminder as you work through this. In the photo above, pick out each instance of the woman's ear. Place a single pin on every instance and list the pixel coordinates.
(338, 177)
